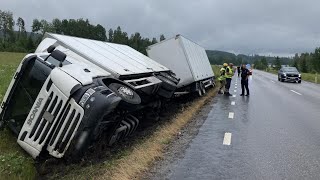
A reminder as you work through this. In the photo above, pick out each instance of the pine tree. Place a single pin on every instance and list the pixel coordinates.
(110, 37)
(277, 63)
(162, 37)
(154, 41)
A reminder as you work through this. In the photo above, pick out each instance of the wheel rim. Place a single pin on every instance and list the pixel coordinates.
(126, 92)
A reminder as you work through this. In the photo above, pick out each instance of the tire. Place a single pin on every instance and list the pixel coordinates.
(199, 91)
(128, 95)
(167, 84)
(282, 80)
(299, 82)
(278, 78)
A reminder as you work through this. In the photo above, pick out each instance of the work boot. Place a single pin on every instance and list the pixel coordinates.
(220, 92)
(241, 94)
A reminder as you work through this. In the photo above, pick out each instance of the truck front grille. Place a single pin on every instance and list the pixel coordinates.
(65, 129)
(56, 124)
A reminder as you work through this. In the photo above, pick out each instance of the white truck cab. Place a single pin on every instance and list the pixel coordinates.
(72, 90)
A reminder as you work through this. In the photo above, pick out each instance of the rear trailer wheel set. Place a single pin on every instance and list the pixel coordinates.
(96, 92)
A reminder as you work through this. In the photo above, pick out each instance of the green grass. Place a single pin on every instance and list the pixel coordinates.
(310, 77)
(315, 78)
(216, 70)
(14, 163)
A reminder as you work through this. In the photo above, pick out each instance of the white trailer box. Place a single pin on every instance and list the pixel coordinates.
(185, 58)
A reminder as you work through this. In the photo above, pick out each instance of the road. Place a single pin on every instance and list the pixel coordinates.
(273, 134)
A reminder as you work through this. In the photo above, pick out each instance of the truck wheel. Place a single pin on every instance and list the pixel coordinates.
(167, 84)
(299, 81)
(126, 93)
(199, 87)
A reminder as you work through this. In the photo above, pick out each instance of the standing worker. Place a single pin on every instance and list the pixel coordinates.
(244, 80)
(229, 74)
(222, 78)
(238, 70)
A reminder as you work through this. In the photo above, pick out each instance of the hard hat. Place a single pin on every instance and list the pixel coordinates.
(225, 64)
(230, 64)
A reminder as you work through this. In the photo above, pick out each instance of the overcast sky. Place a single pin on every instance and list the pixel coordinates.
(276, 27)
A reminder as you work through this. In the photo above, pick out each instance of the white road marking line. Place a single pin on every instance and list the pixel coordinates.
(296, 92)
(234, 95)
(233, 103)
(273, 81)
(227, 139)
(235, 90)
(235, 87)
(231, 115)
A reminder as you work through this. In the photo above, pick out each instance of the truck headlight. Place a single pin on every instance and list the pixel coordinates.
(299, 75)
(86, 96)
(284, 74)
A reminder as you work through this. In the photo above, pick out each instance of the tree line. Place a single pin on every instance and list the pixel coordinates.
(308, 62)
(11, 40)
(15, 38)
(262, 63)
(220, 57)
(305, 62)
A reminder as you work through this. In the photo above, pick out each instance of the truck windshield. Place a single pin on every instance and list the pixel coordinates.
(25, 92)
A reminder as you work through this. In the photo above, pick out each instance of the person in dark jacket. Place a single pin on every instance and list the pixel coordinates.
(244, 80)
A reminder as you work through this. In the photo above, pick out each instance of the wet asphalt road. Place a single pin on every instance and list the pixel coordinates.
(275, 134)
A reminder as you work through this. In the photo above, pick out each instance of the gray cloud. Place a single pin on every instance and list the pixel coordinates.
(241, 26)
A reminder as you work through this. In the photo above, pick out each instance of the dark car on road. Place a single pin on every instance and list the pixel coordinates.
(290, 74)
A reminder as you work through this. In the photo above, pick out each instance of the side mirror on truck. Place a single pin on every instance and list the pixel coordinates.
(58, 55)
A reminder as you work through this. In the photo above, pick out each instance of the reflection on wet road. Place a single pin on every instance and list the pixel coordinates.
(273, 134)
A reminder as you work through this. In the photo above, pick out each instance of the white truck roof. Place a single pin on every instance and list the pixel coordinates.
(119, 60)
(185, 58)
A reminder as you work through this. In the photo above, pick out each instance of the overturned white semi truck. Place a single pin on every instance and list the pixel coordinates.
(187, 60)
(71, 91)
